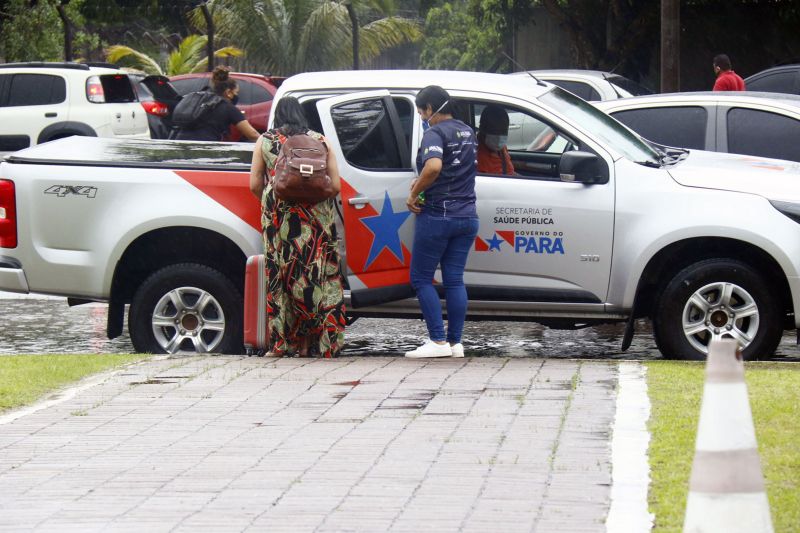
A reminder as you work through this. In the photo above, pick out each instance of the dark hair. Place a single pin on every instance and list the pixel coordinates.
(494, 120)
(435, 96)
(722, 61)
(290, 117)
(221, 81)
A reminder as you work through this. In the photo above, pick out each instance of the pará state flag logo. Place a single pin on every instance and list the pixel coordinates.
(517, 242)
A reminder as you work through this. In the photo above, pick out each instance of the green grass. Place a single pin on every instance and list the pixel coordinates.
(25, 378)
(675, 391)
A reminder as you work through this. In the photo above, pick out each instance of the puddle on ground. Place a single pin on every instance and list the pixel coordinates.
(38, 325)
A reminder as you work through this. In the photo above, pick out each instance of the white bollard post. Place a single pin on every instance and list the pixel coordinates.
(726, 489)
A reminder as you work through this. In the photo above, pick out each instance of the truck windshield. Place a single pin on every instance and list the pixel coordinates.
(601, 126)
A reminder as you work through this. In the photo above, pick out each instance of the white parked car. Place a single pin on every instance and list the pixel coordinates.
(748, 123)
(591, 85)
(40, 102)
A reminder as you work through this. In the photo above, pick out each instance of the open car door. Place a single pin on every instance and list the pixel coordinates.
(371, 142)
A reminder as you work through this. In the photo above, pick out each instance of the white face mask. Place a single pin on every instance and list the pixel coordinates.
(426, 121)
(496, 142)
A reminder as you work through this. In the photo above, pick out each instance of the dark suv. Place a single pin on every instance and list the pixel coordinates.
(783, 79)
(255, 95)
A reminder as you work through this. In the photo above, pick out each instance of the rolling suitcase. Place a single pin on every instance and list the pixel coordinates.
(255, 306)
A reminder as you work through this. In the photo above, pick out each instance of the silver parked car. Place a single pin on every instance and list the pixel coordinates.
(748, 123)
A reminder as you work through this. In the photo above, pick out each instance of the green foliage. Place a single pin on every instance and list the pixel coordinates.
(472, 34)
(37, 33)
(447, 30)
(289, 36)
(189, 56)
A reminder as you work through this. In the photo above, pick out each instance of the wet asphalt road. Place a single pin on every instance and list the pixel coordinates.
(38, 325)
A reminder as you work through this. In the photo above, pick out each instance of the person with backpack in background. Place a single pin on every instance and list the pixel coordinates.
(305, 295)
(207, 115)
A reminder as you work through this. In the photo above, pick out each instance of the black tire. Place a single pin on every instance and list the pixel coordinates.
(216, 327)
(710, 278)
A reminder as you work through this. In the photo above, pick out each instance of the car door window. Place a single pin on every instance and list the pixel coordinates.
(584, 90)
(366, 133)
(37, 89)
(535, 146)
(245, 92)
(5, 82)
(259, 94)
(680, 126)
(526, 132)
(776, 82)
(761, 133)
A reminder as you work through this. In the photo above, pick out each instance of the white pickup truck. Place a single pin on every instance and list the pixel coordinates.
(596, 225)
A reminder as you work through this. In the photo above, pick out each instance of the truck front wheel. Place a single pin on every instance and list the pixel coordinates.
(714, 299)
(186, 307)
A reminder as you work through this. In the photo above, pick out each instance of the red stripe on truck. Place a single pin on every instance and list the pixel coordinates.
(229, 189)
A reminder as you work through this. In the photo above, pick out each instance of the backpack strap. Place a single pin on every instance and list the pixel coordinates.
(270, 149)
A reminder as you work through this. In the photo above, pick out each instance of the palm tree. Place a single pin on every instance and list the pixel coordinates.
(189, 56)
(290, 36)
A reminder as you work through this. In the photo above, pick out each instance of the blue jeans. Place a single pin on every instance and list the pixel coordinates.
(442, 241)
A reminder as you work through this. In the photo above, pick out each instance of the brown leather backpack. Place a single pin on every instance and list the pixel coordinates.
(301, 171)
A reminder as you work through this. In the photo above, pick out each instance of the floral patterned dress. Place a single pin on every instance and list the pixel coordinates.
(305, 296)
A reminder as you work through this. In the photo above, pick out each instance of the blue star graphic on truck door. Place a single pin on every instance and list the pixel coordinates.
(384, 228)
(494, 243)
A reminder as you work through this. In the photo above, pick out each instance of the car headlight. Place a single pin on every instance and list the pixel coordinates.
(789, 209)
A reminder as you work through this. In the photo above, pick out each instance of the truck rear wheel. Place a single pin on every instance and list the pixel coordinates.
(714, 299)
(186, 307)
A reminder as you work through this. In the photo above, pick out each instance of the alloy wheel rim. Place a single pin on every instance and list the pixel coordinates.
(188, 318)
(720, 310)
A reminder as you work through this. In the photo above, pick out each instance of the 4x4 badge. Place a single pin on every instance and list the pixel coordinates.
(79, 190)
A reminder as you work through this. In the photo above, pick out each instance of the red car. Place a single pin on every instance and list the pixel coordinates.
(255, 95)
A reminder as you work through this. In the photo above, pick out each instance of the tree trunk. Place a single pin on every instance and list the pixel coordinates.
(210, 35)
(351, 12)
(670, 46)
(62, 12)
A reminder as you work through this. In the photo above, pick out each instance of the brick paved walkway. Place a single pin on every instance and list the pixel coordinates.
(352, 444)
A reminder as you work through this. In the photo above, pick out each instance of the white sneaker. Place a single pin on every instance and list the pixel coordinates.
(431, 349)
(457, 349)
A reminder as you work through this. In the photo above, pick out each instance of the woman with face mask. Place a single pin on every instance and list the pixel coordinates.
(216, 123)
(447, 220)
(493, 157)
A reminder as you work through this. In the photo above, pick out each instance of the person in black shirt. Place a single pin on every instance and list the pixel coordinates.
(225, 114)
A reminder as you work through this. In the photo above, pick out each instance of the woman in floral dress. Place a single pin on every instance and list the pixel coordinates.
(305, 299)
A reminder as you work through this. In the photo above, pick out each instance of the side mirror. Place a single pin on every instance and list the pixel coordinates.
(582, 167)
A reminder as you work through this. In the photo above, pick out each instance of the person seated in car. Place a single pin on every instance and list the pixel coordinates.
(493, 157)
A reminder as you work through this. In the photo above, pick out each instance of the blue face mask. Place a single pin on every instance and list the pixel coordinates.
(496, 142)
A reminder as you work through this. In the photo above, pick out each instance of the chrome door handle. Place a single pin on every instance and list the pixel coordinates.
(358, 201)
